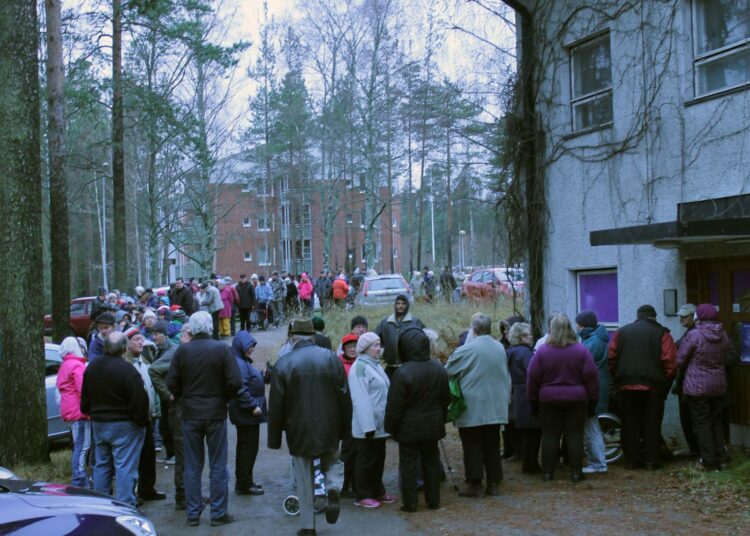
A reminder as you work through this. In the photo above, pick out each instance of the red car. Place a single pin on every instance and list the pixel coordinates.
(80, 317)
(488, 284)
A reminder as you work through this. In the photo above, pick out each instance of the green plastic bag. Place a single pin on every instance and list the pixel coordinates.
(458, 404)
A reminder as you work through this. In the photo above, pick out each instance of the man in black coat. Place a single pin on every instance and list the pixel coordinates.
(182, 295)
(246, 292)
(203, 377)
(310, 373)
(114, 396)
(389, 330)
(415, 413)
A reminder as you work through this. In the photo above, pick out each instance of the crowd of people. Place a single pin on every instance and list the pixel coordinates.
(161, 381)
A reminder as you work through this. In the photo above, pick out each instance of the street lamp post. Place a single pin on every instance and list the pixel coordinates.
(461, 235)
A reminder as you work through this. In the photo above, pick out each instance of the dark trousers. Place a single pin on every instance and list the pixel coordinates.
(165, 428)
(147, 465)
(175, 420)
(246, 452)
(556, 418)
(368, 472)
(198, 434)
(709, 429)
(409, 457)
(511, 441)
(481, 446)
(215, 318)
(686, 421)
(641, 413)
(349, 457)
(529, 440)
(232, 327)
(245, 318)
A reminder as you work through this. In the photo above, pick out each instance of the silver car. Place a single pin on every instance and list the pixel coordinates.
(56, 427)
(382, 289)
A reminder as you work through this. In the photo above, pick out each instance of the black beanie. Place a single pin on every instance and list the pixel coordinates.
(587, 319)
(646, 311)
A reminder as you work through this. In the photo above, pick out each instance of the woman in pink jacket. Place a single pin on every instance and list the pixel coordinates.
(305, 290)
(227, 293)
(69, 383)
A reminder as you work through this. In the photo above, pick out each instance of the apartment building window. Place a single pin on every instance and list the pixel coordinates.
(597, 291)
(248, 256)
(349, 219)
(247, 222)
(591, 83)
(721, 43)
(263, 257)
(246, 187)
(263, 224)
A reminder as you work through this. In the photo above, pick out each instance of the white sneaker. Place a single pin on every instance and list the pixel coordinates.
(591, 470)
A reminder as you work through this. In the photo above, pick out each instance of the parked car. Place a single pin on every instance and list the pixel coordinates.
(59, 509)
(56, 427)
(80, 317)
(382, 289)
(488, 284)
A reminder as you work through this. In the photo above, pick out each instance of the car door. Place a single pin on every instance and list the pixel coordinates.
(56, 427)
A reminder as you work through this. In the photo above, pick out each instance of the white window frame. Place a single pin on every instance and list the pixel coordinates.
(248, 257)
(266, 227)
(349, 219)
(701, 59)
(611, 326)
(576, 100)
(247, 222)
(268, 256)
(246, 188)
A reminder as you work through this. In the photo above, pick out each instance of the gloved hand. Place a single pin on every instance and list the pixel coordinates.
(534, 407)
(370, 434)
(591, 408)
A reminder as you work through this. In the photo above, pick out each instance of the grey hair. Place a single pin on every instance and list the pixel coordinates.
(116, 343)
(518, 331)
(481, 324)
(185, 328)
(201, 322)
(70, 345)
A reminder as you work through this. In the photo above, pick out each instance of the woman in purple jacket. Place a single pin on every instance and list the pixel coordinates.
(563, 387)
(703, 356)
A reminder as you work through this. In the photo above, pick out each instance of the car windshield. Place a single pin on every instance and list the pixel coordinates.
(52, 361)
(385, 284)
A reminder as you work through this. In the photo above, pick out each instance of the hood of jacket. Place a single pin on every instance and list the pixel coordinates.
(241, 342)
(73, 357)
(711, 331)
(600, 332)
(413, 345)
(404, 298)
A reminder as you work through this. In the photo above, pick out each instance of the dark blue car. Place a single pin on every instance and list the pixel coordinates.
(38, 508)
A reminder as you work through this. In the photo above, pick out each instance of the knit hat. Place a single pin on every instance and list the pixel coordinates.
(646, 311)
(302, 326)
(132, 332)
(706, 311)
(587, 319)
(365, 341)
(139, 290)
(149, 314)
(686, 310)
(105, 318)
(358, 320)
(318, 323)
(349, 337)
(162, 326)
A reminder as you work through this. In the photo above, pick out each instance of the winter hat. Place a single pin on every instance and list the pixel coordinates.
(318, 323)
(587, 319)
(163, 310)
(706, 311)
(646, 311)
(70, 345)
(686, 310)
(349, 337)
(342, 276)
(302, 326)
(149, 314)
(162, 326)
(254, 276)
(139, 290)
(304, 274)
(365, 341)
(132, 332)
(105, 318)
(101, 291)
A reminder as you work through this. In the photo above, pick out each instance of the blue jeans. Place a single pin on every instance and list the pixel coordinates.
(117, 450)
(593, 440)
(214, 433)
(81, 431)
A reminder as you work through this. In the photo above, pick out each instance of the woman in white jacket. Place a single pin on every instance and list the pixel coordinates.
(368, 385)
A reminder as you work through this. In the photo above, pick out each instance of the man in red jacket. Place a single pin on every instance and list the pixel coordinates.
(642, 363)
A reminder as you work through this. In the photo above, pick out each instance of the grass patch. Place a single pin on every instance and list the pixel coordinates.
(56, 470)
(448, 320)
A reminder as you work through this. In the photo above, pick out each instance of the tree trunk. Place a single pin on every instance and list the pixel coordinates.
(118, 156)
(23, 423)
(58, 187)
(449, 197)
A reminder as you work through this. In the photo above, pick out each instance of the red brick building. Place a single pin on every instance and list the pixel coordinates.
(281, 229)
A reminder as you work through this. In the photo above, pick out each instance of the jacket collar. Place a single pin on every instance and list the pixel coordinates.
(407, 318)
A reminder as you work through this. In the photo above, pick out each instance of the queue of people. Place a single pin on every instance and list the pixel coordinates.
(380, 385)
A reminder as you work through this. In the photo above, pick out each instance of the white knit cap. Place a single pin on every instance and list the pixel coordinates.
(365, 341)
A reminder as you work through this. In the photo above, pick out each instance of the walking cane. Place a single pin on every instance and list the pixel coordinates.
(448, 465)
